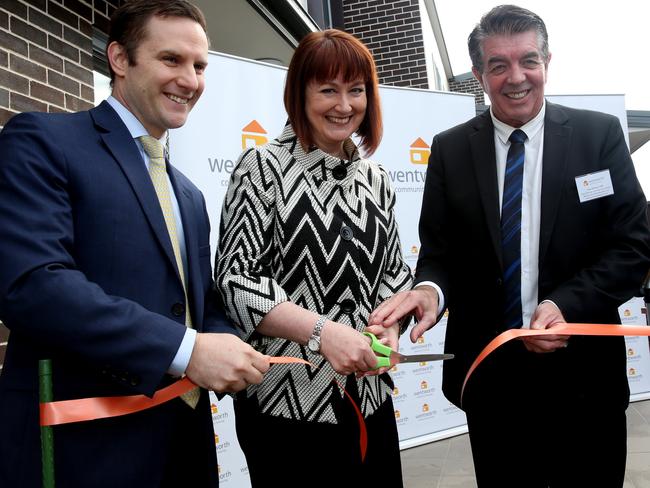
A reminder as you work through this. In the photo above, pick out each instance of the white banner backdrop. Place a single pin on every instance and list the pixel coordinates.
(241, 107)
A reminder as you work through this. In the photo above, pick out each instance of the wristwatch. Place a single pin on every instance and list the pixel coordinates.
(314, 341)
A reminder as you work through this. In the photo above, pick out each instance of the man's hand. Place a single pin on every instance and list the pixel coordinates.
(546, 316)
(347, 350)
(225, 363)
(421, 301)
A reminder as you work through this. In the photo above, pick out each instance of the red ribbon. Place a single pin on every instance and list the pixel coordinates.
(559, 329)
(83, 409)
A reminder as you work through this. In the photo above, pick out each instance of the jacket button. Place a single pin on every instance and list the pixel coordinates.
(348, 306)
(499, 282)
(135, 380)
(339, 172)
(178, 309)
(346, 233)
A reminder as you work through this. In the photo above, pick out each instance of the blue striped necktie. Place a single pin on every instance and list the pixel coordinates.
(511, 230)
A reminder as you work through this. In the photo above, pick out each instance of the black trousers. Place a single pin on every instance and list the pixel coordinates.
(292, 453)
(529, 428)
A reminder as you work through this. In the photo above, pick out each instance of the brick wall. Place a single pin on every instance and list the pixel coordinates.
(467, 84)
(392, 30)
(46, 54)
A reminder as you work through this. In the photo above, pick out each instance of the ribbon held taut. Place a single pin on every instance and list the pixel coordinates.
(84, 409)
(559, 329)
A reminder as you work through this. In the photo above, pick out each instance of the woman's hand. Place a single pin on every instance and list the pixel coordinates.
(389, 336)
(347, 350)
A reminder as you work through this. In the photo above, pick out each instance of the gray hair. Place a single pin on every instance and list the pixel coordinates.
(505, 20)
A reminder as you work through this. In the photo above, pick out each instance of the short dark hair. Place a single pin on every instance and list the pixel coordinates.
(128, 25)
(505, 20)
(323, 56)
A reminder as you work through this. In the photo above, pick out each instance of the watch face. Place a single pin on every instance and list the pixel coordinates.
(313, 345)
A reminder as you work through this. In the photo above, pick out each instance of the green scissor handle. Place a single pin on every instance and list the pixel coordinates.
(383, 352)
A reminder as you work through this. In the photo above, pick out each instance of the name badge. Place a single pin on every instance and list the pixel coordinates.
(594, 185)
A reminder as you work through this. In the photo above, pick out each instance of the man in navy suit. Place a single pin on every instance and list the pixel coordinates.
(541, 411)
(90, 280)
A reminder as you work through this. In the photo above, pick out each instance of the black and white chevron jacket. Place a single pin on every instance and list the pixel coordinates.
(290, 230)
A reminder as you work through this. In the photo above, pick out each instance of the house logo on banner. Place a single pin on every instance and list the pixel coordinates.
(420, 152)
(253, 134)
(411, 180)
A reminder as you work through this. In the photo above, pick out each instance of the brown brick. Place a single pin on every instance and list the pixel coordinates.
(4, 58)
(14, 7)
(101, 22)
(62, 82)
(77, 39)
(45, 58)
(100, 6)
(13, 81)
(13, 43)
(46, 93)
(55, 109)
(63, 14)
(76, 104)
(86, 27)
(80, 8)
(45, 22)
(63, 48)
(86, 60)
(39, 4)
(4, 99)
(26, 31)
(24, 67)
(78, 72)
(25, 104)
(5, 115)
(4, 20)
(87, 93)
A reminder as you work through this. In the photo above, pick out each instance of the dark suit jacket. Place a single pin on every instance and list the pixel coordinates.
(88, 279)
(592, 255)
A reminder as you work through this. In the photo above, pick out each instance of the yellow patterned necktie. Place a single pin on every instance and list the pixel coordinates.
(158, 173)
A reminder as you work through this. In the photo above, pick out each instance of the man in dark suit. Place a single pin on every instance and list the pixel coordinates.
(530, 228)
(111, 279)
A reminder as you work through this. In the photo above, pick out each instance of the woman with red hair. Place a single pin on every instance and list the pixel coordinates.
(308, 248)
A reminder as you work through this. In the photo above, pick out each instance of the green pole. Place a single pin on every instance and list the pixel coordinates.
(47, 436)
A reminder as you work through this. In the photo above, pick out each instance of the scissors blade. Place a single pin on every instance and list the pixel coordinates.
(396, 358)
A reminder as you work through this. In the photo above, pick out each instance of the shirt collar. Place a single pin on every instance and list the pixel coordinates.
(531, 128)
(135, 127)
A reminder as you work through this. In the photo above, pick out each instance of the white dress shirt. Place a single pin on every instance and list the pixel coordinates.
(530, 205)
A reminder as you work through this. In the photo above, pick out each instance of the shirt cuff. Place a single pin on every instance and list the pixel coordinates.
(551, 302)
(183, 355)
(441, 296)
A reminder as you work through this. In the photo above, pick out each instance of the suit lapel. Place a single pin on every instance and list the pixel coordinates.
(119, 142)
(557, 136)
(188, 216)
(484, 159)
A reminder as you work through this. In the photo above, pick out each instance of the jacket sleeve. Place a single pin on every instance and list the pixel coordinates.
(44, 297)
(245, 253)
(615, 271)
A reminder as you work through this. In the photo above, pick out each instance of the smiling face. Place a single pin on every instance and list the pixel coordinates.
(514, 76)
(335, 110)
(167, 77)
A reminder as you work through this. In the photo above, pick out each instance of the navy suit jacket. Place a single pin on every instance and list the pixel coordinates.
(592, 256)
(88, 279)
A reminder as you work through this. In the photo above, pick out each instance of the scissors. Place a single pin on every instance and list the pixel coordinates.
(387, 358)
